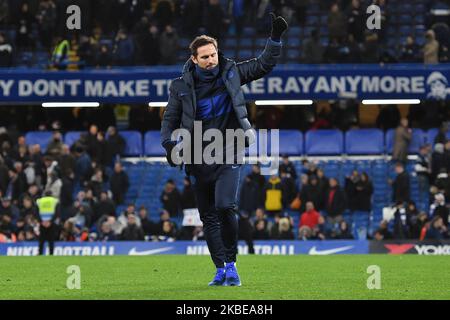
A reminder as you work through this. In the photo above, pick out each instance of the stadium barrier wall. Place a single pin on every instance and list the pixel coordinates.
(150, 84)
(140, 248)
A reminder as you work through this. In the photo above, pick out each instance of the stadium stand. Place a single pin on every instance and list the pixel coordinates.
(332, 137)
(413, 20)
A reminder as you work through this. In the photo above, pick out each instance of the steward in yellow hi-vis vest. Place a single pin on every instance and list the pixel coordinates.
(60, 53)
(48, 212)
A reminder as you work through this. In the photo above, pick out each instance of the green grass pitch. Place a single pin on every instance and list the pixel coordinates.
(170, 277)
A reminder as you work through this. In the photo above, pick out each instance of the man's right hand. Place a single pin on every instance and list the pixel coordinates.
(169, 147)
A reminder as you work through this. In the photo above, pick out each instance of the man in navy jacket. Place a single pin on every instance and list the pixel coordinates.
(209, 92)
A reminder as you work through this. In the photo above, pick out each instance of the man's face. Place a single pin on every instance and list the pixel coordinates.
(93, 130)
(131, 219)
(166, 227)
(6, 203)
(438, 88)
(57, 136)
(33, 190)
(165, 216)
(333, 183)
(27, 203)
(207, 57)
(170, 187)
(259, 213)
(106, 227)
(260, 225)
(309, 206)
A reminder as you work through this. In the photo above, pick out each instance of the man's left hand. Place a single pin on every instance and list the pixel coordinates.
(279, 26)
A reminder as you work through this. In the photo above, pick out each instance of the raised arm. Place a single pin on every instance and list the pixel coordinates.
(256, 68)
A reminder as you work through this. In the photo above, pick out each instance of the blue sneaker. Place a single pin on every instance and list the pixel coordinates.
(232, 277)
(219, 278)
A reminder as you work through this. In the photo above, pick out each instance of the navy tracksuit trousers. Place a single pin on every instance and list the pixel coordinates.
(216, 189)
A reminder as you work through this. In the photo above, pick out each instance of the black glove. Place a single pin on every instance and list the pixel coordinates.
(279, 25)
(169, 146)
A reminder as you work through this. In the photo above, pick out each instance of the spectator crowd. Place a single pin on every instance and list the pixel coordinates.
(140, 32)
(89, 181)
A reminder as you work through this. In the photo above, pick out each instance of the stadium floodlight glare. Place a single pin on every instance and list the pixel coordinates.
(283, 102)
(391, 101)
(440, 12)
(71, 104)
(157, 104)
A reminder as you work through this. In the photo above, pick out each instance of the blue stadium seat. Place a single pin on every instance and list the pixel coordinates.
(230, 42)
(293, 55)
(184, 42)
(246, 43)
(260, 43)
(249, 32)
(404, 19)
(291, 142)
(286, 145)
(152, 144)
(432, 133)
(406, 30)
(106, 42)
(133, 141)
(182, 55)
(325, 142)
(418, 139)
(71, 137)
(245, 54)
(306, 31)
(391, 31)
(312, 20)
(294, 30)
(229, 53)
(41, 138)
(323, 31)
(419, 30)
(419, 19)
(419, 8)
(293, 42)
(364, 141)
(420, 40)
